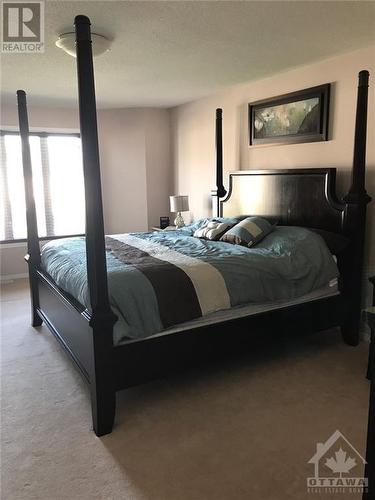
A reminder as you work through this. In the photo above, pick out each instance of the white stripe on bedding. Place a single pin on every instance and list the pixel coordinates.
(329, 290)
(209, 284)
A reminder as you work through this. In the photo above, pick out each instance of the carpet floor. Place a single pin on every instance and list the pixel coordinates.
(242, 429)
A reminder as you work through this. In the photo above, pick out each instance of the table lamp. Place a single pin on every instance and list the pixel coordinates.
(179, 204)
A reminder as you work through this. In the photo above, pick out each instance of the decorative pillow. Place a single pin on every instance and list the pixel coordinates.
(248, 232)
(212, 230)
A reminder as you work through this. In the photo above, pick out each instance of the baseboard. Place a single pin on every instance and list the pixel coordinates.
(8, 278)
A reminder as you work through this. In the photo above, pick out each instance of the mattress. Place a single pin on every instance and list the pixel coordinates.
(329, 290)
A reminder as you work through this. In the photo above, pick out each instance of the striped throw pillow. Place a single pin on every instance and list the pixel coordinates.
(248, 232)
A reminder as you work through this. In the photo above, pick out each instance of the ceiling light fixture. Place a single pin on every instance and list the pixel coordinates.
(67, 42)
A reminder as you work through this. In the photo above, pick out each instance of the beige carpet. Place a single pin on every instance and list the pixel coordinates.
(241, 430)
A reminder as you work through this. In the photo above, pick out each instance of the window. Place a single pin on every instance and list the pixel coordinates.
(57, 181)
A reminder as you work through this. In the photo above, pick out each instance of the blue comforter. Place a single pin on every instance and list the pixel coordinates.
(160, 279)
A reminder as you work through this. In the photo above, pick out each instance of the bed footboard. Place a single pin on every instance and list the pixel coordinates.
(76, 331)
(69, 325)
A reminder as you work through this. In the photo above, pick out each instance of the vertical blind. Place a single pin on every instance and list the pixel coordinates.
(57, 181)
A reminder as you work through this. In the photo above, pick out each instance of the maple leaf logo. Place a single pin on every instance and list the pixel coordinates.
(341, 464)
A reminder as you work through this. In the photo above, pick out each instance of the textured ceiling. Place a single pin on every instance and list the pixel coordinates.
(165, 53)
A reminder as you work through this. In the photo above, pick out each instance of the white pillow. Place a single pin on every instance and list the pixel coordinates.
(213, 230)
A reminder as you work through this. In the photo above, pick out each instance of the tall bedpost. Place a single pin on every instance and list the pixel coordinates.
(220, 191)
(355, 217)
(357, 192)
(33, 251)
(102, 317)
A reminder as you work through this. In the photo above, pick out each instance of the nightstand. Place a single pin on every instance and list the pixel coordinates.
(168, 228)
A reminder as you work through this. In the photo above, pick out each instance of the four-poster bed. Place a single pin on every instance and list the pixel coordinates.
(294, 197)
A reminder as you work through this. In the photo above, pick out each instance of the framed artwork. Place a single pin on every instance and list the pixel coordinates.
(300, 116)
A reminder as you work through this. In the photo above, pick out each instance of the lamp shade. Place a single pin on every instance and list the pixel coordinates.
(179, 203)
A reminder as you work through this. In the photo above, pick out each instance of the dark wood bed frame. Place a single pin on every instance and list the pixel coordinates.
(304, 197)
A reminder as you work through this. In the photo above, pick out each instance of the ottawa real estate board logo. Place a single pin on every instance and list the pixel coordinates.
(338, 467)
(22, 27)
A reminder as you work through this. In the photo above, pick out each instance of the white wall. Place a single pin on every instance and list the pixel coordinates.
(135, 167)
(123, 160)
(193, 133)
(158, 161)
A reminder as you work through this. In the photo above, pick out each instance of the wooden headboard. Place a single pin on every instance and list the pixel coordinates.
(298, 197)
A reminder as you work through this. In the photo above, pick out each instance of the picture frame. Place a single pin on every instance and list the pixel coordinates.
(292, 118)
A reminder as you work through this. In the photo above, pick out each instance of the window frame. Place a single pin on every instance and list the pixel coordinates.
(44, 134)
